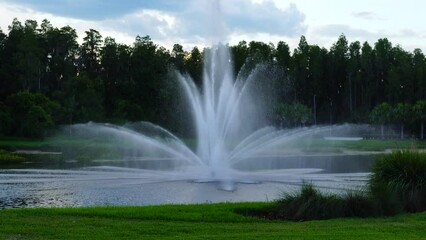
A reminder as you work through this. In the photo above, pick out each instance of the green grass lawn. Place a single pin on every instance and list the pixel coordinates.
(204, 221)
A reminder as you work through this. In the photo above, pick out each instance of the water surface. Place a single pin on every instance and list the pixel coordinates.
(116, 183)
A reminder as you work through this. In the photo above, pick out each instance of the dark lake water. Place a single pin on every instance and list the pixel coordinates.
(151, 181)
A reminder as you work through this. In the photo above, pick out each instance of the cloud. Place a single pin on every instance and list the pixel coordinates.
(10, 11)
(143, 22)
(367, 15)
(210, 21)
(407, 33)
(334, 30)
(200, 22)
(264, 17)
(188, 22)
(94, 9)
(327, 35)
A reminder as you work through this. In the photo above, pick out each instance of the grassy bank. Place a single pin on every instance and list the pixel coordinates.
(7, 157)
(323, 145)
(13, 143)
(205, 221)
(86, 149)
(314, 144)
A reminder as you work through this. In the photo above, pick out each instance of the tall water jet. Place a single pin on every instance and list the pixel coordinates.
(215, 111)
(219, 117)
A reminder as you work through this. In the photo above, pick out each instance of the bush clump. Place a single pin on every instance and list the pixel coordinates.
(311, 204)
(398, 182)
(7, 157)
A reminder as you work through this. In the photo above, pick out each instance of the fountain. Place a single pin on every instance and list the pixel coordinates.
(228, 119)
(229, 127)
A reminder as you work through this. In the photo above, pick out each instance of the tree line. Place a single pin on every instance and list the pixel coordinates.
(48, 79)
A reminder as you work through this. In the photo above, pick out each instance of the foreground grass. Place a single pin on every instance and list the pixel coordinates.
(205, 221)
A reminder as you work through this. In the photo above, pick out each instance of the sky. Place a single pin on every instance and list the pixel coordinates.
(201, 22)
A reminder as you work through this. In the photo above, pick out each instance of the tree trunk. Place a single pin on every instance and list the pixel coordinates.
(402, 131)
(350, 95)
(422, 130)
(382, 130)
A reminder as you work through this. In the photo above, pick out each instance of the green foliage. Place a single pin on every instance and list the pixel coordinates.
(397, 184)
(381, 114)
(401, 177)
(89, 53)
(127, 111)
(5, 120)
(260, 52)
(150, 68)
(14, 143)
(419, 110)
(33, 113)
(84, 100)
(419, 113)
(7, 157)
(194, 65)
(239, 55)
(345, 81)
(36, 121)
(311, 204)
(291, 115)
(402, 113)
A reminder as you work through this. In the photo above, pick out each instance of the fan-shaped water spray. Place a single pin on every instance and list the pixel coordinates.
(227, 131)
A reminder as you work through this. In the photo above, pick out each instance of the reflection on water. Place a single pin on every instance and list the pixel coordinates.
(328, 163)
(105, 183)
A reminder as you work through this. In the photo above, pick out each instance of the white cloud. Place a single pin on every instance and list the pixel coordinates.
(235, 38)
(334, 30)
(239, 20)
(10, 11)
(189, 28)
(264, 17)
(367, 15)
(160, 26)
(260, 20)
(143, 22)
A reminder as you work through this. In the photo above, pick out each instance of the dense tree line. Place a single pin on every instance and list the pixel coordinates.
(47, 78)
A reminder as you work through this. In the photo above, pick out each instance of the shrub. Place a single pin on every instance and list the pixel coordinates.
(311, 204)
(291, 115)
(7, 157)
(397, 184)
(400, 178)
(126, 110)
(358, 204)
(5, 120)
(32, 113)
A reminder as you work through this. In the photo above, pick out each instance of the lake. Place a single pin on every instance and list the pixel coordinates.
(116, 183)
